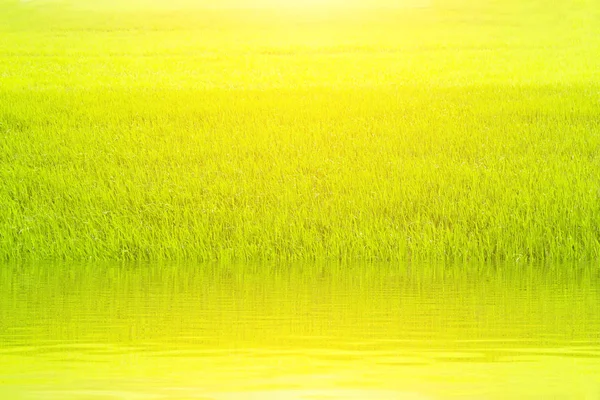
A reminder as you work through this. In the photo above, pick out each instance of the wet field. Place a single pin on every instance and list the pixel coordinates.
(299, 332)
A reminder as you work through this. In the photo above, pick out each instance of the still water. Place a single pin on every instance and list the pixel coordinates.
(299, 332)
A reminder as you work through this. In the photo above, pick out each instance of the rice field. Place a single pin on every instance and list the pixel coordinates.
(448, 131)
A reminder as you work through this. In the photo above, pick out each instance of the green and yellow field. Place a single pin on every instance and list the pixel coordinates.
(460, 130)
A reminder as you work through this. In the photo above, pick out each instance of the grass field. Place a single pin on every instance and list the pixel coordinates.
(453, 131)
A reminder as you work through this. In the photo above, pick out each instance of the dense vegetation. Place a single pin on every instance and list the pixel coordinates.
(445, 132)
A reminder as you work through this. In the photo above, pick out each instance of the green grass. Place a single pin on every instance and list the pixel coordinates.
(451, 132)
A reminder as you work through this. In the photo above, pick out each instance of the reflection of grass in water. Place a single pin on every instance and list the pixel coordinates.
(444, 136)
(181, 331)
(341, 308)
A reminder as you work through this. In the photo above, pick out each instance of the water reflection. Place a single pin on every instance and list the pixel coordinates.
(299, 332)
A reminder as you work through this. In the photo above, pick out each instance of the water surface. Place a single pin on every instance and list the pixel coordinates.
(299, 332)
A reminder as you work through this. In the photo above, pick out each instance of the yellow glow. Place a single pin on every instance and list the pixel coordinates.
(272, 3)
(325, 3)
(232, 4)
(304, 3)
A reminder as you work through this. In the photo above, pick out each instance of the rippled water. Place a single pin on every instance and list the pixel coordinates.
(299, 332)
